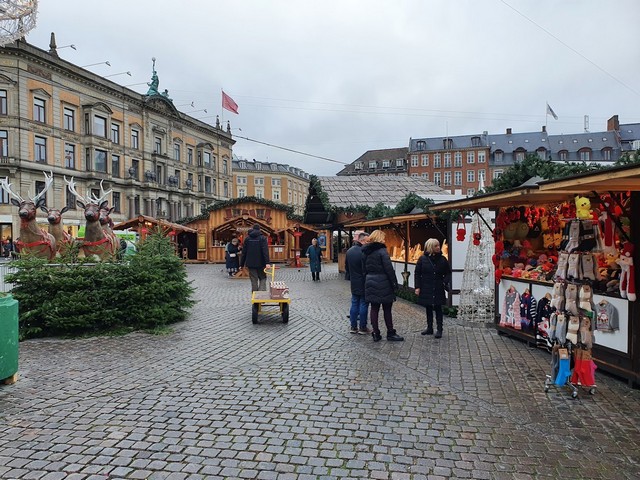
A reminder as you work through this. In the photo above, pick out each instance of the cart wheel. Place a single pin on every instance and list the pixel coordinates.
(285, 313)
(255, 308)
(592, 391)
(574, 394)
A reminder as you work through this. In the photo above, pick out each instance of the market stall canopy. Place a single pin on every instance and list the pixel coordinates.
(366, 190)
(410, 217)
(143, 221)
(615, 179)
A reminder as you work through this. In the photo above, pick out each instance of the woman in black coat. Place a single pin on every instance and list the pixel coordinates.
(380, 284)
(433, 277)
(232, 257)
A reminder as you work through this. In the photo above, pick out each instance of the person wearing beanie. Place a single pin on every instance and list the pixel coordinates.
(432, 279)
(255, 256)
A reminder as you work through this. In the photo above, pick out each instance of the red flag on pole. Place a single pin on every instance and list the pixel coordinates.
(228, 103)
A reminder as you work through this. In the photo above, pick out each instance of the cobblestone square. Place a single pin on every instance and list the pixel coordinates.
(220, 397)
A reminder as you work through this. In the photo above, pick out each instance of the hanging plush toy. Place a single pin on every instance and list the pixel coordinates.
(583, 208)
(607, 231)
(627, 274)
(461, 230)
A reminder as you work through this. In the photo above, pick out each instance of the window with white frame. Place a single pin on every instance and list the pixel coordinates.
(497, 174)
(372, 164)
(39, 110)
(177, 152)
(414, 160)
(447, 160)
(471, 192)
(520, 156)
(606, 154)
(4, 143)
(260, 192)
(40, 145)
(447, 178)
(241, 180)
(436, 160)
(386, 163)
(425, 160)
(482, 157)
(99, 126)
(3, 102)
(415, 175)
(562, 155)
(436, 178)
(425, 175)
(585, 155)
(457, 177)
(358, 166)
(69, 119)
(275, 195)
(471, 157)
(135, 139)
(457, 159)
(242, 192)
(471, 175)
(482, 174)
(258, 181)
(115, 133)
(399, 162)
(276, 182)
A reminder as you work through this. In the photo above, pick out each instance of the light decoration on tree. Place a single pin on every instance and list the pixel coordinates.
(17, 18)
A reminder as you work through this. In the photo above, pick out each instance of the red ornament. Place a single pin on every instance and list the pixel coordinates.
(476, 238)
(461, 230)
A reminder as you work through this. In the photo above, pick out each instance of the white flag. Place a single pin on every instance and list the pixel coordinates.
(551, 112)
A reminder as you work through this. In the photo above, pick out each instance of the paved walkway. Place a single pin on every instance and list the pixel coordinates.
(223, 398)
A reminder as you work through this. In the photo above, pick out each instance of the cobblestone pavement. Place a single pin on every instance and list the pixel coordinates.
(223, 398)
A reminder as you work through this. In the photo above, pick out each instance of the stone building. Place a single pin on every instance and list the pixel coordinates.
(60, 118)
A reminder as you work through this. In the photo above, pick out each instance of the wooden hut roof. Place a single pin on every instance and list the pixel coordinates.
(136, 222)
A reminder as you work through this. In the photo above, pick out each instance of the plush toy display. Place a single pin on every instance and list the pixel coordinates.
(627, 274)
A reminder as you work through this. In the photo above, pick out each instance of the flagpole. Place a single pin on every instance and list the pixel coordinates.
(221, 109)
(546, 115)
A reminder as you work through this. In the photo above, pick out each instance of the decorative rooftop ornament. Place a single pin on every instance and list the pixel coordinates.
(17, 18)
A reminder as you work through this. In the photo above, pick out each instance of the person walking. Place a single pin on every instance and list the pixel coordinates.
(380, 284)
(232, 257)
(432, 278)
(314, 253)
(355, 275)
(255, 256)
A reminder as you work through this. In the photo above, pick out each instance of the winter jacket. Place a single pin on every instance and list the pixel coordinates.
(315, 258)
(232, 256)
(255, 250)
(353, 269)
(432, 277)
(380, 283)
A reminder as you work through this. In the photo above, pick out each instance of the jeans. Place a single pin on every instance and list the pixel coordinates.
(258, 279)
(359, 310)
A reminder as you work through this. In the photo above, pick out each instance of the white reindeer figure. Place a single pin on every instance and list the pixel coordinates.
(33, 239)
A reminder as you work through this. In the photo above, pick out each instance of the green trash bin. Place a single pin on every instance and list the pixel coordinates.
(8, 337)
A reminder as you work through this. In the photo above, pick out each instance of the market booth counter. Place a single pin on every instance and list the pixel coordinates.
(570, 245)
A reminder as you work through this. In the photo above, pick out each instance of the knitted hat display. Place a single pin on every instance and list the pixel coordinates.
(627, 272)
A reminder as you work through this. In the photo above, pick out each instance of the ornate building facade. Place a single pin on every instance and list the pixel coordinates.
(60, 118)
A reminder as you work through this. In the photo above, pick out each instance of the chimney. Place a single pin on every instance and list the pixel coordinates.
(508, 131)
(544, 129)
(613, 123)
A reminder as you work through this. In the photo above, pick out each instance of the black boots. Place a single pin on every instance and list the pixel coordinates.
(429, 329)
(438, 328)
(392, 336)
(376, 336)
(315, 276)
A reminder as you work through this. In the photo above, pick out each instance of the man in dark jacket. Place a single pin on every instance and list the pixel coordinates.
(353, 273)
(255, 256)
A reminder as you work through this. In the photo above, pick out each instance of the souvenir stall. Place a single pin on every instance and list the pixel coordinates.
(405, 239)
(564, 262)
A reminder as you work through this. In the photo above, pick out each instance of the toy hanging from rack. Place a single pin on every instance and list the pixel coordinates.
(461, 232)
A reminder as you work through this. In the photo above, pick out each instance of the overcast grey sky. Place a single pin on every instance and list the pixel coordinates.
(336, 78)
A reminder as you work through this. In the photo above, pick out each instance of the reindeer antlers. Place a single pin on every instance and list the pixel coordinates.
(6, 186)
(72, 188)
(47, 185)
(103, 195)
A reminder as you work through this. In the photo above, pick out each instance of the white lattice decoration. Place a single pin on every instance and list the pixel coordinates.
(478, 282)
(17, 18)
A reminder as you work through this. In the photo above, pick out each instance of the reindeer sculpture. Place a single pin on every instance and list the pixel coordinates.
(33, 240)
(96, 242)
(56, 228)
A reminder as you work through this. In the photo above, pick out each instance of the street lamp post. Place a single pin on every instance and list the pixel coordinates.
(98, 63)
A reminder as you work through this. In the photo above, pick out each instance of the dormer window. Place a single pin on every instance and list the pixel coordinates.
(422, 145)
(258, 166)
(372, 164)
(447, 143)
(399, 162)
(385, 163)
(358, 166)
(475, 141)
(242, 164)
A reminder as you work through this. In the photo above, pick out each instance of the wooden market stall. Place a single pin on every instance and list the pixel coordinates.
(143, 225)
(235, 218)
(541, 226)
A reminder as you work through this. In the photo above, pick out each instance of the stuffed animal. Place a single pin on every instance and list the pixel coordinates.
(627, 274)
(583, 207)
(606, 217)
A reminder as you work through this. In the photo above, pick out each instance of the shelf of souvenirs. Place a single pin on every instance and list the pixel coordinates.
(549, 283)
(397, 252)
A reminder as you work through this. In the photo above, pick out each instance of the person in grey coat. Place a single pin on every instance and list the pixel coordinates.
(432, 278)
(380, 284)
(355, 275)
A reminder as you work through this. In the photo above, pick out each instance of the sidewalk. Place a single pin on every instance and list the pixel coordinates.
(223, 398)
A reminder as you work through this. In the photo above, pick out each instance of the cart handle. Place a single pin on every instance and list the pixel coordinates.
(271, 270)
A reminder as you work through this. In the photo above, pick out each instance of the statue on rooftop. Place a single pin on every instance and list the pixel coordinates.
(153, 86)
